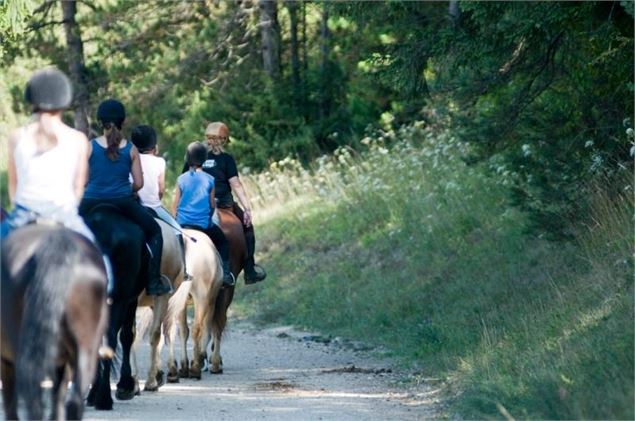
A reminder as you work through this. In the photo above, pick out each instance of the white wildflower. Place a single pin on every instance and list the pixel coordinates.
(526, 149)
(588, 144)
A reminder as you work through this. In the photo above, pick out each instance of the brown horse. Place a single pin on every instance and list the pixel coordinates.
(233, 230)
(54, 315)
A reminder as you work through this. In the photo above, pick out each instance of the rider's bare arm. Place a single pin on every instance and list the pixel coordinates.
(137, 174)
(81, 175)
(237, 187)
(12, 176)
(177, 199)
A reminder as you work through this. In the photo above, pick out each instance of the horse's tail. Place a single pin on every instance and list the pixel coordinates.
(218, 300)
(52, 268)
(144, 320)
(177, 303)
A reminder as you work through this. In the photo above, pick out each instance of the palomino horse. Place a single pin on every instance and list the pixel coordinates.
(204, 264)
(172, 267)
(54, 314)
(233, 230)
(123, 242)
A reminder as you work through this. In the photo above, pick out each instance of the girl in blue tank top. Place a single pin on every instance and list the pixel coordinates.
(112, 160)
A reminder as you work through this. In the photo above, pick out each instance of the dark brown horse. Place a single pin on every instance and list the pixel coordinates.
(233, 230)
(54, 314)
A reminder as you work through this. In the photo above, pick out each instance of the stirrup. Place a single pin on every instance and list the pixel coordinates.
(231, 283)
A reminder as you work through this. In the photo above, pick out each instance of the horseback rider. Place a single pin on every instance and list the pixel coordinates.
(144, 137)
(48, 160)
(112, 159)
(222, 166)
(194, 205)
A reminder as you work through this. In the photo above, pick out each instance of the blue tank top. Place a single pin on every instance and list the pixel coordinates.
(194, 207)
(108, 179)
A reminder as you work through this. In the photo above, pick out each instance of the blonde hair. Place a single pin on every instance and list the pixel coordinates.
(215, 127)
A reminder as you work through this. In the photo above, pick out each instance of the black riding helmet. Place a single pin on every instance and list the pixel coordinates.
(144, 137)
(196, 154)
(49, 90)
(111, 111)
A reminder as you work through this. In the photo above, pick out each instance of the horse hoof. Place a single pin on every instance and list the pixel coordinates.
(184, 373)
(195, 373)
(218, 370)
(104, 406)
(173, 378)
(124, 395)
(160, 378)
(149, 388)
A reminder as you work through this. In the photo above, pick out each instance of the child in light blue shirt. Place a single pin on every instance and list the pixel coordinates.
(194, 204)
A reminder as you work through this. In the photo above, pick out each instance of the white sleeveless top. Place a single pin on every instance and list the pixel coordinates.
(152, 166)
(46, 178)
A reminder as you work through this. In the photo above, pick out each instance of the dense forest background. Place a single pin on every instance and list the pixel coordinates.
(543, 91)
(450, 180)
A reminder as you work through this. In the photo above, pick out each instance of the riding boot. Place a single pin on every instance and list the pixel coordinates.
(228, 277)
(157, 284)
(186, 276)
(253, 272)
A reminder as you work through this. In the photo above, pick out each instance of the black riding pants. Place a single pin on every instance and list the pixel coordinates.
(250, 237)
(134, 211)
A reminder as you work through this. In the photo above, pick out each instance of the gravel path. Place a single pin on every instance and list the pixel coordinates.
(283, 374)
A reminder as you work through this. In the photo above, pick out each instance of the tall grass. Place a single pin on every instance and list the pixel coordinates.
(406, 246)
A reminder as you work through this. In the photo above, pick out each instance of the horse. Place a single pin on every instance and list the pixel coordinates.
(151, 321)
(204, 264)
(124, 242)
(233, 229)
(54, 314)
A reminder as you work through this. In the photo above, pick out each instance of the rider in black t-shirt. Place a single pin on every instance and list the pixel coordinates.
(222, 167)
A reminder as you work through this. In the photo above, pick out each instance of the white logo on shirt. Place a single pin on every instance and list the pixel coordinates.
(210, 163)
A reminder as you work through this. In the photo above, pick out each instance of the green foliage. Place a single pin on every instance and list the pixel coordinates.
(408, 247)
(540, 90)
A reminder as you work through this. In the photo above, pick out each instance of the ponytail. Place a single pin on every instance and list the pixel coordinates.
(113, 139)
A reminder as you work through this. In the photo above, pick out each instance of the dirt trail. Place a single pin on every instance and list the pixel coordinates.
(282, 374)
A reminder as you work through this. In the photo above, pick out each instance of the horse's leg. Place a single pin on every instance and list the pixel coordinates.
(58, 393)
(158, 313)
(198, 330)
(9, 398)
(169, 334)
(83, 367)
(102, 396)
(219, 321)
(184, 331)
(126, 387)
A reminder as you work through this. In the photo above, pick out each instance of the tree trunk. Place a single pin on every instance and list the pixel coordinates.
(292, 6)
(305, 59)
(455, 13)
(75, 53)
(270, 33)
(325, 35)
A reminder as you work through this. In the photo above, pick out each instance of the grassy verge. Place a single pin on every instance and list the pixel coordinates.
(411, 249)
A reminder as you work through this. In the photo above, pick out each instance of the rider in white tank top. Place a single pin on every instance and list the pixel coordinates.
(46, 178)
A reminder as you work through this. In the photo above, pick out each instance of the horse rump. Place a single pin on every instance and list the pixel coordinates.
(55, 282)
